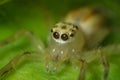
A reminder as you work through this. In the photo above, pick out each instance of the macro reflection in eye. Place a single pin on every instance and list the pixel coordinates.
(64, 37)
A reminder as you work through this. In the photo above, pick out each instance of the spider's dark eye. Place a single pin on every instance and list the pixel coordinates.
(51, 30)
(75, 26)
(64, 37)
(71, 35)
(56, 35)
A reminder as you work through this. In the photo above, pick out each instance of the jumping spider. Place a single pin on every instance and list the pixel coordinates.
(75, 39)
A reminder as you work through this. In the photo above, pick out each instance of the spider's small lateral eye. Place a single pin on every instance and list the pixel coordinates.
(71, 35)
(64, 37)
(56, 35)
(75, 26)
(51, 30)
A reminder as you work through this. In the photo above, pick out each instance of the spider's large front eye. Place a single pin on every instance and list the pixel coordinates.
(64, 37)
(56, 35)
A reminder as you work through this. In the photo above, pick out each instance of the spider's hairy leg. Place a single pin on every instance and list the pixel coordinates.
(47, 63)
(94, 54)
(58, 61)
(105, 64)
(82, 70)
(35, 41)
(16, 61)
(82, 64)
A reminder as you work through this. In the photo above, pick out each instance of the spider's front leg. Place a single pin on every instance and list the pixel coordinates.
(81, 63)
(16, 61)
(58, 61)
(36, 42)
(82, 70)
(88, 57)
(105, 64)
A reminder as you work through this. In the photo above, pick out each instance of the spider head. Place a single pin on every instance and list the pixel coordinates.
(63, 32)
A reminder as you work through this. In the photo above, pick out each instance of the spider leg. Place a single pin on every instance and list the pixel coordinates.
(82, 70)
(59, 62)
(105, 64)
(94, 54)
(47, 62)
(35, 41)
(16, 60)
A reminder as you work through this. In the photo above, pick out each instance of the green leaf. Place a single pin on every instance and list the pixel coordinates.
(38, 16)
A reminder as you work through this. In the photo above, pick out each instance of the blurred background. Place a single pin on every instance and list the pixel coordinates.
(38, 16)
